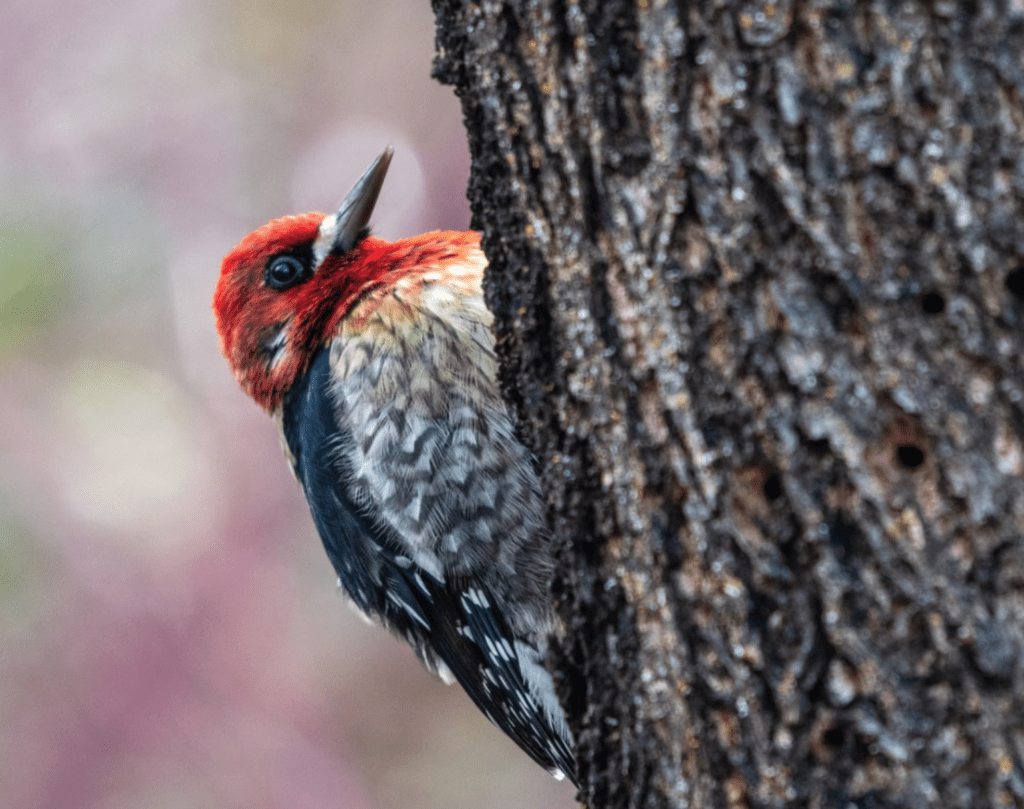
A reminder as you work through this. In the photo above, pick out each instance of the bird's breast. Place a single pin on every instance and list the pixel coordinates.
(433, 454)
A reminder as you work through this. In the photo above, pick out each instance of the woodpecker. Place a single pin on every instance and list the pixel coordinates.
(376, 361)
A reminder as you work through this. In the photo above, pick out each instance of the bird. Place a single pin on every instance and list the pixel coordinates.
(376, 361)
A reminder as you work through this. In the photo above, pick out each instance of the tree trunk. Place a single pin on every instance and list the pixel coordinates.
(757, 270)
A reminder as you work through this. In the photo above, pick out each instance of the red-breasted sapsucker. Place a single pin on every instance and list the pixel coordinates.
(376, 360)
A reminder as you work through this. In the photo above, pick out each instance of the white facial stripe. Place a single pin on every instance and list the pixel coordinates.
(324, 240)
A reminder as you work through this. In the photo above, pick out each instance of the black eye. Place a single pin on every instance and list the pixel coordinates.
(284, 272)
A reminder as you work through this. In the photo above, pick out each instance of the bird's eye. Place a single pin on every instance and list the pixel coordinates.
(284, 272)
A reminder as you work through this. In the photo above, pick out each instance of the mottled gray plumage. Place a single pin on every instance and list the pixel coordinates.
(438, 458)
(425, 453)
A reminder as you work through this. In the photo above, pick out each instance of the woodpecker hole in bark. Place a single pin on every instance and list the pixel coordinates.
(933, 303)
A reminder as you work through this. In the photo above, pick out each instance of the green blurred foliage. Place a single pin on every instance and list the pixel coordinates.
(15, 558)
(33, 281)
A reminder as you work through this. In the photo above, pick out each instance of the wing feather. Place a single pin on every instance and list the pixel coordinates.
(451, 621)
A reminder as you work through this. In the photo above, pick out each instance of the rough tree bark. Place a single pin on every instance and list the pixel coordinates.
(758, 277)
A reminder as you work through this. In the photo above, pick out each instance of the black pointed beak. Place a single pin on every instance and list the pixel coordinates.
(353, 216)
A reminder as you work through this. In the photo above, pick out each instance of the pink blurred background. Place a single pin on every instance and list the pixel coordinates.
(170, 635)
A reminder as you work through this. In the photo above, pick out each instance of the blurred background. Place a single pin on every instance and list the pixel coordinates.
(170, 634)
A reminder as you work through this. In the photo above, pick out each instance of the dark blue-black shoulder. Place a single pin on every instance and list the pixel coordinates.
(307, 415)
(311, 430)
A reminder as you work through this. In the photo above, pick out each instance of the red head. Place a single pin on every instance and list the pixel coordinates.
(285, 287)
(284, 290)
